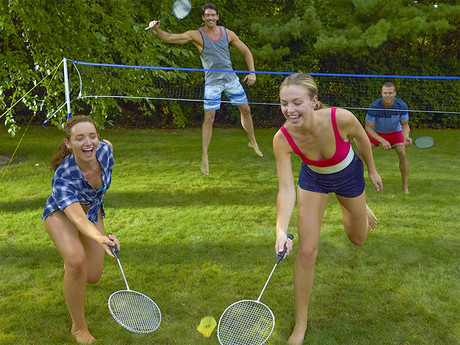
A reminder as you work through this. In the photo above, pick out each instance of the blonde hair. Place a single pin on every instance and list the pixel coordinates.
(307, 81)
(62, 150)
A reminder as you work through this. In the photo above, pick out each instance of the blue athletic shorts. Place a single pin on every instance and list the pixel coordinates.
(348, 182)
(233, 90)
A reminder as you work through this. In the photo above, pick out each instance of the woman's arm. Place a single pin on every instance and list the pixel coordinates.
(285, 200)
(78, 217)
(108, 143)
(352, 128)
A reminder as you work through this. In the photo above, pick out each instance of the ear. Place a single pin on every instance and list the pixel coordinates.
(314, 101)
(67, 144)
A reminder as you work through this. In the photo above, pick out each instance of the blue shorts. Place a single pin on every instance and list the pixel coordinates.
(348, 182)
(233, 90)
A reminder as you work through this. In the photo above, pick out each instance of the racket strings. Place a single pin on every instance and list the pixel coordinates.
(181, 8)
(135, 311)
(246, 323)
(424, 142)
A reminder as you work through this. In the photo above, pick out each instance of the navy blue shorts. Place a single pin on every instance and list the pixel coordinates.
(348, 182)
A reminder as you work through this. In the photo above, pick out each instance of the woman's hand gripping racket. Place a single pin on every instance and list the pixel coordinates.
(181, 9)
(133, 310)
(248, 322)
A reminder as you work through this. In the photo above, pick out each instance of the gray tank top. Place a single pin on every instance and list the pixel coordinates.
(216, 55)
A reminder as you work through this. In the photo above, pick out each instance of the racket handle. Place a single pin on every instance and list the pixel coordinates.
(281, 255)
(114, 249)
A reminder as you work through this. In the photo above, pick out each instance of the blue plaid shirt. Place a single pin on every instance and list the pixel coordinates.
(70, 186)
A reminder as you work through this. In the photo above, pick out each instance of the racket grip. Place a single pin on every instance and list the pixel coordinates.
(281, 255)
(114, 249)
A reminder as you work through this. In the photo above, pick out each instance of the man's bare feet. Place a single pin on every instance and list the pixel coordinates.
(297, 336)
(371, 219)
(405, 190)
(255, 147)
(83, 336)
(204, 166)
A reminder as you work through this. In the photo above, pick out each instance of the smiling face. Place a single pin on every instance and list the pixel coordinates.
(83, 141)
(388, 95)
(296, 104)
(210, 17)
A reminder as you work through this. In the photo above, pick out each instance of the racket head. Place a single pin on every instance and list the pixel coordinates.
(134, 311)
(424, 142)
(246, 322)
(181, 8)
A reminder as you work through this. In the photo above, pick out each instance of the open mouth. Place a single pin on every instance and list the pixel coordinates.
(294, 118)
(88, 152)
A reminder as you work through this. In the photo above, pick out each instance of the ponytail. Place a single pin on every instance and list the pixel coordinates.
(61, 153)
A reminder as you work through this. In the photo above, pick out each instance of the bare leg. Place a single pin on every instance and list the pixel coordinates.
(246, 122)
(311, 208)
(69, 245)
(209, 116)
(358, 218)
(403, 167)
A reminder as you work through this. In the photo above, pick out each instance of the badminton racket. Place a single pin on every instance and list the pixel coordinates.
(424, 142)
(131, 309)
(248, 322)
(180, 10)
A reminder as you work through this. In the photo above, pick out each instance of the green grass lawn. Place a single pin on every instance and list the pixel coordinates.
(195, 244)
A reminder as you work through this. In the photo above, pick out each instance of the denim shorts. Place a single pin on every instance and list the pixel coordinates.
(233, 90)
(348, 182)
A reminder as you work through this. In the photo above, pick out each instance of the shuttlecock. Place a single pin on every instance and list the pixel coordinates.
(206, 326)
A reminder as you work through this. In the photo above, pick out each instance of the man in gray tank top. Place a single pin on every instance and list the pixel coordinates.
(212, 42)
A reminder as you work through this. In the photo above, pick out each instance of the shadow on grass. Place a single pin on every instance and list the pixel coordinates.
(176, 197)
(208, 196)
(22, 205)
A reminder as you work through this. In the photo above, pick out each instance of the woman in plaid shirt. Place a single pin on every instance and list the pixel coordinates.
(73, 214)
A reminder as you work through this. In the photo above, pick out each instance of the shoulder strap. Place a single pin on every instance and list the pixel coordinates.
(293, 145)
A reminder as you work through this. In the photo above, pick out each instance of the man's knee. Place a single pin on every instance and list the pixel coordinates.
(245, 110)
(209, 117)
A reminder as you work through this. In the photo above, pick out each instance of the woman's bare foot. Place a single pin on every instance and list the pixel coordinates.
(371, 219)
(83, 336)
(297, 336)
(255, 147)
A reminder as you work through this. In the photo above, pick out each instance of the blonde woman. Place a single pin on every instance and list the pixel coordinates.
(321, 137)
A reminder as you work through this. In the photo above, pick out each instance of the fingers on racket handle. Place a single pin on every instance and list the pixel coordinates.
(114, 249)
(147, 28)
(281, 255)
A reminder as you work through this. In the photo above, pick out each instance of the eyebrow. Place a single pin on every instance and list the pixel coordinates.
(82, 135)
(292, 100)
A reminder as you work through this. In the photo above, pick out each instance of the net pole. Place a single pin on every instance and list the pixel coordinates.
(66, 88)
